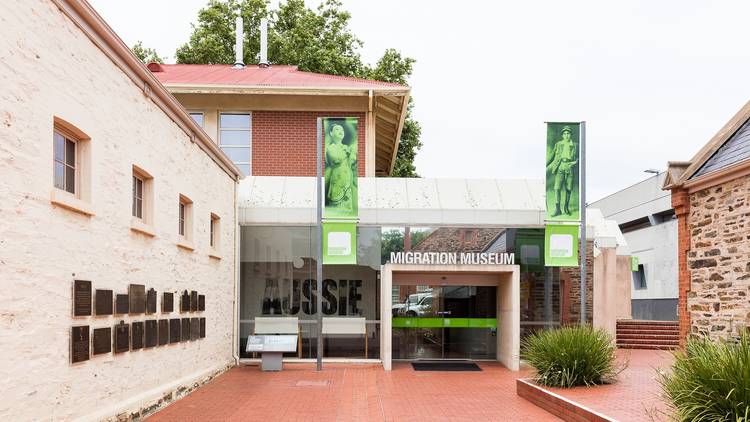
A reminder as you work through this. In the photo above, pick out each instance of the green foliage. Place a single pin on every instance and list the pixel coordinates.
(393, 241)
(314, 40)
(146, 55)
(710, 381)
(571, 356)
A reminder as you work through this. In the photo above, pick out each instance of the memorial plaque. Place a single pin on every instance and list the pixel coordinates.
(102, 340)
(151, 333)
(195, 328)
(174, 330)
(79, 342)
(121, 304)
(163, 332)
(203, 328)
(81, 298)
(151, 301)
(185, 302)
(122, 337)
(193, 301)
(185, 334)
(137, 295)
(136, 339)
(103, 303)
(167, 302)
(201, 302)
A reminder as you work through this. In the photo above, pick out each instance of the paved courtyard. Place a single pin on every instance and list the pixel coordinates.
(348, 392)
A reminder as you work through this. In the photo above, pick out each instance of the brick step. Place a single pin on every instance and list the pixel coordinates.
(647, 332)
(645, 322)
(647, 327)
(646, 346)
(649, 341)
(654, 337)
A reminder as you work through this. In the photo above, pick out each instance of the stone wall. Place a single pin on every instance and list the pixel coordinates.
(49, 68)
(574, 293)
(719, 259)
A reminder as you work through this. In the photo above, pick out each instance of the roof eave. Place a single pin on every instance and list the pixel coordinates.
(184, 88)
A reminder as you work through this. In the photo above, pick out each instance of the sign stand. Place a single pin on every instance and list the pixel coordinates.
(582, 206)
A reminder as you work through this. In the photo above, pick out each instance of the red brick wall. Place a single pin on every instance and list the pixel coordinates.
(681, 205)
(284, 142)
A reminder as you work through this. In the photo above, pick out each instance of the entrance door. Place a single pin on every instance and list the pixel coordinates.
(444, 322)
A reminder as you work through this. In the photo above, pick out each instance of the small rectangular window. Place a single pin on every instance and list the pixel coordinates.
(214, 231)
(639, 278)
(65, 163)
(137, 197)
(235, 137)
(198, 117)
(185, 223)
(182, 218)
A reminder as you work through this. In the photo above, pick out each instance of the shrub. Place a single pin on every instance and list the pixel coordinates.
(571, 356)
(710, 381)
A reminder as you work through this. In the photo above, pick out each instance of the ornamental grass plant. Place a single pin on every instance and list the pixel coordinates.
(710, 381)
(571, 356)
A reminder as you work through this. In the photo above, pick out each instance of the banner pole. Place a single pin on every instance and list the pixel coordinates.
(319, 259)
(582, 207)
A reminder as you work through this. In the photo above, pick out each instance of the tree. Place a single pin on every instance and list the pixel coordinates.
(146, 55)
(317, 41)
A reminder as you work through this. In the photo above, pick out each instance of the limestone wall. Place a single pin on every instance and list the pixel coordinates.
(49, 67)
(719, 259)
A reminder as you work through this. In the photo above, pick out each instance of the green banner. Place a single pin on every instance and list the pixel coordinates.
(529, 249)
(340, 135)
(562, 177)
(634, 264)
(339, 243)
(561, 245)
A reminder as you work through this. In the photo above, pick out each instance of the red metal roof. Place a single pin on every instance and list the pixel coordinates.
(252, 75)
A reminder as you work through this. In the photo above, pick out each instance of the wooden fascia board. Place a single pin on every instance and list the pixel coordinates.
(180, 88)
(716, 142)
(719, 176)
(103, 37)
(404, 107)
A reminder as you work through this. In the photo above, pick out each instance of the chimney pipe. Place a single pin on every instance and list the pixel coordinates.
(263, 43)
(238, 37)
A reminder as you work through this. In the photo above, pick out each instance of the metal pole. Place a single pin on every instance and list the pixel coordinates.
(582, 207)
(319, 259)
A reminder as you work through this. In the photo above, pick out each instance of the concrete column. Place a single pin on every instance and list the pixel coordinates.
(605, 289)
(386, 331)
(624, 286)
(509, 319)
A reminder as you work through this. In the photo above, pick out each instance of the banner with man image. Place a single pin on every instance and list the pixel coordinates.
(563, 171)
(341, 208)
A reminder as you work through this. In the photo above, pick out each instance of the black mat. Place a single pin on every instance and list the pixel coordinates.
(445, 365)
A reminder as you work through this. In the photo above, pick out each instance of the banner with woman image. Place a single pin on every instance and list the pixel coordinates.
(341, 208)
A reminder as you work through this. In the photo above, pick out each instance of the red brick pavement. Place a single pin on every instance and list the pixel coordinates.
(635, 396)
(347, 392)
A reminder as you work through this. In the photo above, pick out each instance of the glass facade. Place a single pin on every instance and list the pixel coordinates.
(277, 278)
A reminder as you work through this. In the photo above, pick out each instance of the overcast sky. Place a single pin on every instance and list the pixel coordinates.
(653, 80)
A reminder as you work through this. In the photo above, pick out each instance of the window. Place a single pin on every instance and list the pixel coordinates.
(71, 168)
(137, 196)
(198, 117)
(183, 206)
(214, 232)
(235, 135)
(185, 226)
(65, 163)
(639, 278)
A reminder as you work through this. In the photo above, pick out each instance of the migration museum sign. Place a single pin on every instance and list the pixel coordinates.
(452, 258)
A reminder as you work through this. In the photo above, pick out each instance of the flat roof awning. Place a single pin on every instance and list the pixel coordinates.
(267, 200)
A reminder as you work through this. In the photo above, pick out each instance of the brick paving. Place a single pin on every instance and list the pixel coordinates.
(635, 396)
(348, 392)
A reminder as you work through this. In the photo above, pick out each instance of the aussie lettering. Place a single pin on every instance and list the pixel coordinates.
(290, 297)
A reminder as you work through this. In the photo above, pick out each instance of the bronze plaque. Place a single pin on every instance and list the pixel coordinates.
(203, 328)
(174, 330)
(136, 340)
(185, 334)
(137, 295)
(201, 302)
(150, 333)
(185, 302)
(103, 303)
(195, 331)
(122, 337)
(102, 340)
(81, 298)
(79, 343)
(151, 301)
(121, 304)
(193, 301)
(167, 302)
(163, 332)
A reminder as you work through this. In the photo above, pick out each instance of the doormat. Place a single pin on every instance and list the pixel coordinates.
(445, 365)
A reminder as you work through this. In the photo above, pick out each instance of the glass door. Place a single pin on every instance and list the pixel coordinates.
(444, 322)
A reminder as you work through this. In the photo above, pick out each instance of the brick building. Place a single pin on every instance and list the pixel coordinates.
(710, 196)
